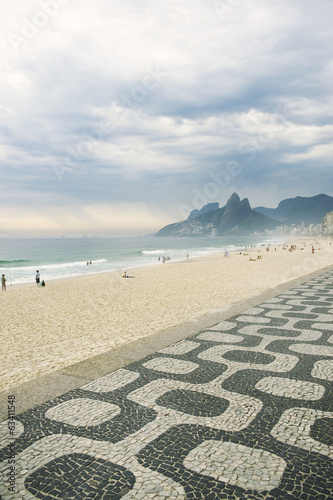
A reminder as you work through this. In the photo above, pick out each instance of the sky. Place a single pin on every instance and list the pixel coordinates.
(117, 118)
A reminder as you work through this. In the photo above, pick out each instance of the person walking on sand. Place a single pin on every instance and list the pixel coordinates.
(3, 283)
(37, 277)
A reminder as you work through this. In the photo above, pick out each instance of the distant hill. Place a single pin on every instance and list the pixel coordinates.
(206, 208)
(300, 209)
(235, 218)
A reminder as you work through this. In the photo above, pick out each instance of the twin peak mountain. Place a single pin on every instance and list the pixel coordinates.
(238, 218)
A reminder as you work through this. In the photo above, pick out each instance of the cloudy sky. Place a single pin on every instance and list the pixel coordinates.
(118, 117)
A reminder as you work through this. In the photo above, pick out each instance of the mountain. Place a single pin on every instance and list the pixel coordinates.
(236, 218)
(300, 209)
(206, 208)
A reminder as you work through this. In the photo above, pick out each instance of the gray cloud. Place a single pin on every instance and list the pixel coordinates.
(145, 103)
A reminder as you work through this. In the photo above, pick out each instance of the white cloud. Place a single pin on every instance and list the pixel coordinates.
(322, 152)
(250, 83)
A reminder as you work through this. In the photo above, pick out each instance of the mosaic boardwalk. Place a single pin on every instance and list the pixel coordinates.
(242, 410)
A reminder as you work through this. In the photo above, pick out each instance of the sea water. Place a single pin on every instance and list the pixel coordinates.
(68, 257)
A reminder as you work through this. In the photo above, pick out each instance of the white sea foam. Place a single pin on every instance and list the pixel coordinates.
(65, 258)
(153, 252)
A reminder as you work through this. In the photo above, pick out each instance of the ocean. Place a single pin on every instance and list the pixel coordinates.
(67, 257)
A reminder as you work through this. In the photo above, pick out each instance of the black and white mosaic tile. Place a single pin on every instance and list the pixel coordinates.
(243, 410)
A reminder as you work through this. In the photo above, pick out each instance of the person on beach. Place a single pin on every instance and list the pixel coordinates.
(3, 283)
(37, 277)
(125, 275)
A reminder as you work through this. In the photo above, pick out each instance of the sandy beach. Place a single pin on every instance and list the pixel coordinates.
(45, 329)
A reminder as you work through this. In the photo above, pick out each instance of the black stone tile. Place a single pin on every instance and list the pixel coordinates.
(193, 403)
(83, 481)
(322, 430)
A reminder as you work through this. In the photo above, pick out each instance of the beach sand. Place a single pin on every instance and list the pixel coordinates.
(46, 329)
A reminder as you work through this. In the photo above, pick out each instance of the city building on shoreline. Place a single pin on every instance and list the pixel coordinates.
(327, 223)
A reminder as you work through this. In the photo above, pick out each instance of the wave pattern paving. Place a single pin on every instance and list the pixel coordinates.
(242, 410)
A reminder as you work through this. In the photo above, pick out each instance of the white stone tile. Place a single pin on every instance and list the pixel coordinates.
(290, 388)
(282, 307)
(182, 347)
(253, 311)
(314, 350)
(221, 337)
(253, 319)
(322, 326)
(83, 412)
(323, 369)
(224, 459)
(112, 381)
(171, 365)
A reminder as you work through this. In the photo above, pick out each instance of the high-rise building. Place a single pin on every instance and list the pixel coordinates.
(327, 223)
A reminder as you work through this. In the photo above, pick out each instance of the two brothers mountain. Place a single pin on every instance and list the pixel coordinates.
(238, 218)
